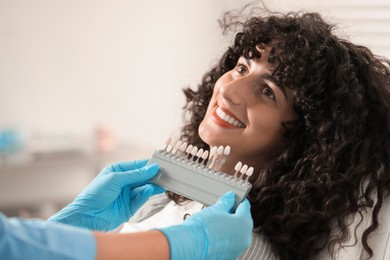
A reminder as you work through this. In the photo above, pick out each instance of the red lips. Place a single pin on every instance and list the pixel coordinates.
(219, 121)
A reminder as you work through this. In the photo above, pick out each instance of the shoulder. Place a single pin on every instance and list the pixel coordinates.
(259, 249)
(151, 207)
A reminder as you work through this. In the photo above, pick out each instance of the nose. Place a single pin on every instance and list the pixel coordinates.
(234, 91)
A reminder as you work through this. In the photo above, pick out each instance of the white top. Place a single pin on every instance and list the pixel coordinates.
(161, 212)
(171, 214)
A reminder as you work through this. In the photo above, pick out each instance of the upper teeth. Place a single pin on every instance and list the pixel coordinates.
(228, 119)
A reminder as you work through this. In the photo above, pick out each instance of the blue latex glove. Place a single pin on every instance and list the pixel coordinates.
(213, 233)
(112, 197)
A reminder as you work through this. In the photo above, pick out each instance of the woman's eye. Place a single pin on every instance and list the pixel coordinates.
(268, 92)
(241, 68)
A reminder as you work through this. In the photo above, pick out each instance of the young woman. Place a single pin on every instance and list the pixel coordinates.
(310, 111)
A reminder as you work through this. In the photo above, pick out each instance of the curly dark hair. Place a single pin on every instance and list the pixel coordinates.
(336, 165)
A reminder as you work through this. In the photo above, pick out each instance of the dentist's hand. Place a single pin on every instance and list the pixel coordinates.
(112, 197)
(213, 233)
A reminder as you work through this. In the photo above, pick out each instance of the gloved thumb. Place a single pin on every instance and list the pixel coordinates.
(144, 192)
(226, 202)
(157, 189)
(137, 177)
(139, 196)
(244, 208)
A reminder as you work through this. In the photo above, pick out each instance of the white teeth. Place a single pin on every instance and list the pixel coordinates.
(228, 119)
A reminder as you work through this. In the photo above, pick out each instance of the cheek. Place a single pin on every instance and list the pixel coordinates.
(268, 131)
(213, 99)
(210, 107)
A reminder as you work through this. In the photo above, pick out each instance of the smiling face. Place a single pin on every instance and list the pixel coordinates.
(246, 112)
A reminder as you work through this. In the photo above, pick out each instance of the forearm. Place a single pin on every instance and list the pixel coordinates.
(143, 245)
(34, 239)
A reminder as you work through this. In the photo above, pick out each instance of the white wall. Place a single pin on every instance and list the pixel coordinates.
(68, 66)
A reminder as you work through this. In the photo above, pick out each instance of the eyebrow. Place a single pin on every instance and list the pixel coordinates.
(269, 77)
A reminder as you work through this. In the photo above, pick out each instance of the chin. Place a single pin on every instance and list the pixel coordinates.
(203, 133)
(207, 139)
(211, 137)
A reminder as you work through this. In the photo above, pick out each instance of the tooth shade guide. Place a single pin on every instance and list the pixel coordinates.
(178, 144)
(189, 149)
(213, 157)
(183, 175)
(238, 166)
(177, 147)
(243, 170)
(199, 155)
(222, 159)
(237, 169)
(169, 148)
(217, 158)
(171, 145)
(205, 155)
(226, 151)
(213, 151)
(220, 150)
(167, 142)
(183, 147)
(250, 171)
(193, 152)
(173, 142)
(211, 160)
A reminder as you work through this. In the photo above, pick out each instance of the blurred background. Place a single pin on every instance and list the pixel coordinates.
(87, 83)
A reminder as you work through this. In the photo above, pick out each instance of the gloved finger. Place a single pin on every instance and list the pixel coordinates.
(139, 196)
(244, 208)
(144, 189)
(136, 177)
(157, 189)
(128, 165)
(154, 189)
(226, 202)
